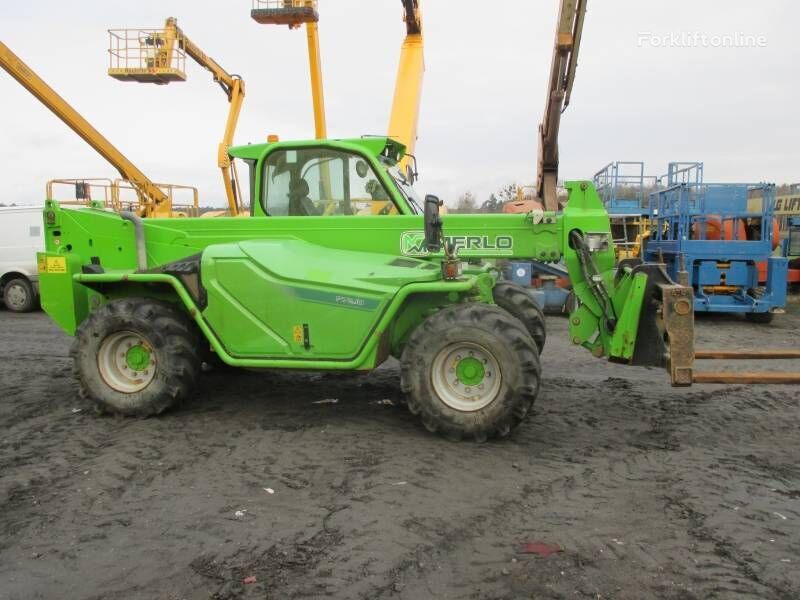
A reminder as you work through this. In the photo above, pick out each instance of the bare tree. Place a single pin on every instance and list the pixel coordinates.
(466, 203)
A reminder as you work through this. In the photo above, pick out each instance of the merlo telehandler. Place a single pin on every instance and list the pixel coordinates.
(315, 281)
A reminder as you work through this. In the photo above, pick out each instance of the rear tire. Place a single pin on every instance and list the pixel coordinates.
(136, 357)
(514, 299)
(471, 371)
(19, 295)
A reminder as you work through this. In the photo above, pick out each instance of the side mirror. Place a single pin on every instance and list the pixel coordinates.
(411, 175)
(433, 224)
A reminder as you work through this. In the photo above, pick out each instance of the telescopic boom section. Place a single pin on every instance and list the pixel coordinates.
(404, 118)
(295, 13)
(158, 56)
(154, 201)
(562, 78)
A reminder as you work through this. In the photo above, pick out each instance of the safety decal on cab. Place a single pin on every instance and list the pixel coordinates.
(412, 243)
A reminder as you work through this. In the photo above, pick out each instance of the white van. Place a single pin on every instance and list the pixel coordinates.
(21, 237)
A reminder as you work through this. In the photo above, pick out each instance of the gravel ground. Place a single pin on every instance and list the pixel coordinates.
(320, 486)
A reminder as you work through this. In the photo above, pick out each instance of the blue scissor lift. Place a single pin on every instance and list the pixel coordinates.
(723, 272)
(623, 188)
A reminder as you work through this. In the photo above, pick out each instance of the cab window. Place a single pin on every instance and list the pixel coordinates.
(322, 182)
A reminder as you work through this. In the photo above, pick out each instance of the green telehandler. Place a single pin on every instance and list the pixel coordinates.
(340, 266)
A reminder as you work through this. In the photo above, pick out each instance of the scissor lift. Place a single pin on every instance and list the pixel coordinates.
(714, 236)
(624, 188)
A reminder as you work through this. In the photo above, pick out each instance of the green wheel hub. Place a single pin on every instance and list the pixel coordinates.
(466, 376)
(127, 362)
(138, 358)
(470, 371)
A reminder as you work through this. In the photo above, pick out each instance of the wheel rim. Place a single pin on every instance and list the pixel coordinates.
(466, 376)
(126, 362)
(16, 296)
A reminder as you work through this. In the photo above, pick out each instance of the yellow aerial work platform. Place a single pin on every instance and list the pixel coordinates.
(147, 55)
(285, 12)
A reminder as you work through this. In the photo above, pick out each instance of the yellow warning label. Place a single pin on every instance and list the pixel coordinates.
(298, 334)
(56, 264)
(41, 264)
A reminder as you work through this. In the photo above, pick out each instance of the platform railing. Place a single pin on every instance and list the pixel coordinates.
(120, 195)
(684, 211)
(184, 200)
(80, 192)
(624, 187)
(141, 50)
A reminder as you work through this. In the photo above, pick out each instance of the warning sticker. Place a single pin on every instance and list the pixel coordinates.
(56, 264)
(41, 264)
(298, 334)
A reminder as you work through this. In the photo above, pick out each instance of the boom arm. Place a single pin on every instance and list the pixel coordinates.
(159, 56)
(153, 199)
(233, 86)
(408, 87)
(562, 78)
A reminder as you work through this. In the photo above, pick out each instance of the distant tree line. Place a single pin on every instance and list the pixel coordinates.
(468, 202)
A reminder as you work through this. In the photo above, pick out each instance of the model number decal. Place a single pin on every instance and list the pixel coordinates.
(412, 243)
(322, 297)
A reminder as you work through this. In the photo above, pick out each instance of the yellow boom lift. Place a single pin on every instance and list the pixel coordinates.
(562, 78)
(295, 13)
(159, 56)
(152, 200)
(404, 117)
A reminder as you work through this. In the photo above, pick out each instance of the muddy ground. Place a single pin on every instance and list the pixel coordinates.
(652, 492)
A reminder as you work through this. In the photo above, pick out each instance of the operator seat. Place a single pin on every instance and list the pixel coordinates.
(300, 205)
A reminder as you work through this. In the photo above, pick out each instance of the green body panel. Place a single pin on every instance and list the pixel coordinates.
(326, 292)
(103, 234)
(410, 303)
(285, 298)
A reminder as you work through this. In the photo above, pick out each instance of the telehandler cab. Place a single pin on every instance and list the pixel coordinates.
(317, 279)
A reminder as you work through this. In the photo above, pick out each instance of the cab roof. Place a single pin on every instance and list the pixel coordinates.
(377, 146)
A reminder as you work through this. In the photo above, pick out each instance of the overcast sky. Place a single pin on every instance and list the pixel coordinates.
(650, 87)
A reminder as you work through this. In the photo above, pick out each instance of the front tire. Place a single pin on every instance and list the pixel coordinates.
(471, 371)
(19, 295)
(136, 357)
(514, 299)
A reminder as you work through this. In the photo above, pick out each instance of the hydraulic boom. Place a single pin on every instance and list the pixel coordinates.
(404, 118)
(154, 201)
(295, 13)
(562, 78)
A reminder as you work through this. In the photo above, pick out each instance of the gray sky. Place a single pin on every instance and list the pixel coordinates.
(639, 94)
